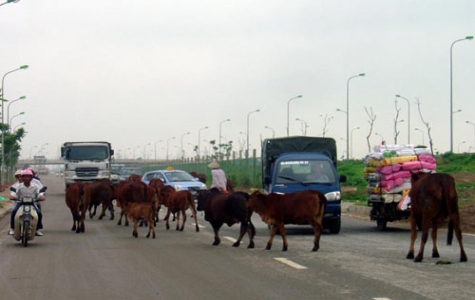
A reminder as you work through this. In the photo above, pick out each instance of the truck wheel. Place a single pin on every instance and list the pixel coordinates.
(381, 224)
(335, 226)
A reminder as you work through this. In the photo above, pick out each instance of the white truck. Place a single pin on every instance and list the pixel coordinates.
(86, 161)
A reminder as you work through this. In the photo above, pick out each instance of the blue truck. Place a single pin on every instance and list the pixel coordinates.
(288, 165)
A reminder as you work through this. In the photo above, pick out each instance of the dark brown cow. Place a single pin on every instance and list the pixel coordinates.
(137, 211)
(134, 178)
(227, 209)
(304, 207)
(176, 202)
(433, 199)
(77, 199)
(102, 192)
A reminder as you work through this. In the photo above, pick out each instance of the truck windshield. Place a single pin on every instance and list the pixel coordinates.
(88, 153)
(306, 171)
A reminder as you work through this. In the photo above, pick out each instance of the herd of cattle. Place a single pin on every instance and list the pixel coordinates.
(433, 201)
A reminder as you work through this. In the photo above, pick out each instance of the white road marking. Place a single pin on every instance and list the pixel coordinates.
(290, 263)
(200, 226)
(230, 239)
(381, 299)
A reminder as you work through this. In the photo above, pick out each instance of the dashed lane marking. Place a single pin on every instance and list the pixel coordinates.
(290, 263)
(230, 239)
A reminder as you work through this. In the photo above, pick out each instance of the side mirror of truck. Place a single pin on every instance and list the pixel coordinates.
(267, 180)
(342, 178)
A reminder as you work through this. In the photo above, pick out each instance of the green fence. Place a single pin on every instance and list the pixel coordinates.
(241, 171)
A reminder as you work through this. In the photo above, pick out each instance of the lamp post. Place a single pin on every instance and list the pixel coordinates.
(31, 149)
(9, 1)
(408, 118)
(458, 147)
(382, 137)
(221, 123)
(288, 106)
(144, 152)
(273, 131)
(23, 123)
(135, 149)
(352, 140)
(199, 140)
(304, 123)
(451, 91)
(172, 138)
(9, 103)
(257, 110)
(182, 154)
(19, 114)
(473, 124)
(422, 132)
(155, 148)
(42, 148)
(2, 167)
(348, 112)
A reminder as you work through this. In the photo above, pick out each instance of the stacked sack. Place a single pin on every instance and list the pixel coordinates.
(388, 170)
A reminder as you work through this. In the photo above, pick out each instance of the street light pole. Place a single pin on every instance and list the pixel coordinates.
(19, 114)
(9, 103)
(219, 139)
(18, 126)
(35, 146)
(408, 118)
(348, 114)
(288, 107)
(155, 148)
(422, 132)
(458, 147)
(451, 91)
(273, 131)
(172, 138)
(199, 140)
(9, 1)
(304, 124)
(2, 167)
(352, 140)
(382, 137)
(182, 154)
(473, 124)
(144, 152)
(257, 110)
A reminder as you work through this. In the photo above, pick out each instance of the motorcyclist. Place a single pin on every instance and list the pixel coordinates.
(27, 189)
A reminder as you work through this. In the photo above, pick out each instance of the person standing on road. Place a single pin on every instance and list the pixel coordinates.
(218, 176)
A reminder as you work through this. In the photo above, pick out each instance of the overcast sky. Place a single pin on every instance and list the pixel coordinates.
(137, 72)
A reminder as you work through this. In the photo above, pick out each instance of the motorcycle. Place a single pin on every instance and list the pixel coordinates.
(26, 218)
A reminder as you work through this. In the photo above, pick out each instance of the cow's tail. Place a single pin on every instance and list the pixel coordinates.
(191, 202)
(450, 232)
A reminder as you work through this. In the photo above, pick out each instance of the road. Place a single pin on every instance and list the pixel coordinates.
(107, 262)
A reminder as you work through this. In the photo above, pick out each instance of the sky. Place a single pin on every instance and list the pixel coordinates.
(151, 76)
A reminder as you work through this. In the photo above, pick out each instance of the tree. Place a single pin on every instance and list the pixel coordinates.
(372, 118)
(396, 121)
(426, 125)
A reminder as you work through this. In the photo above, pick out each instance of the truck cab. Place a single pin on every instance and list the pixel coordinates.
(295, 164)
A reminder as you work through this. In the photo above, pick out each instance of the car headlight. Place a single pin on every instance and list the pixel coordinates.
(178, 187)
(203, 187)
(104, 173)
(333, 196)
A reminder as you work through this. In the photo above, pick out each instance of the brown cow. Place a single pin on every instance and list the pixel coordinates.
(137, 211)
(304, 207)
(229, 208)
(102, 192)
(433, 199)
(77, 199)
(176, 202)
(157, 184)
(134, 192)
(134, 178)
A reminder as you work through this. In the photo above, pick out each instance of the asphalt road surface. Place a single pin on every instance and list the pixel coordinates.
(106, 262)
